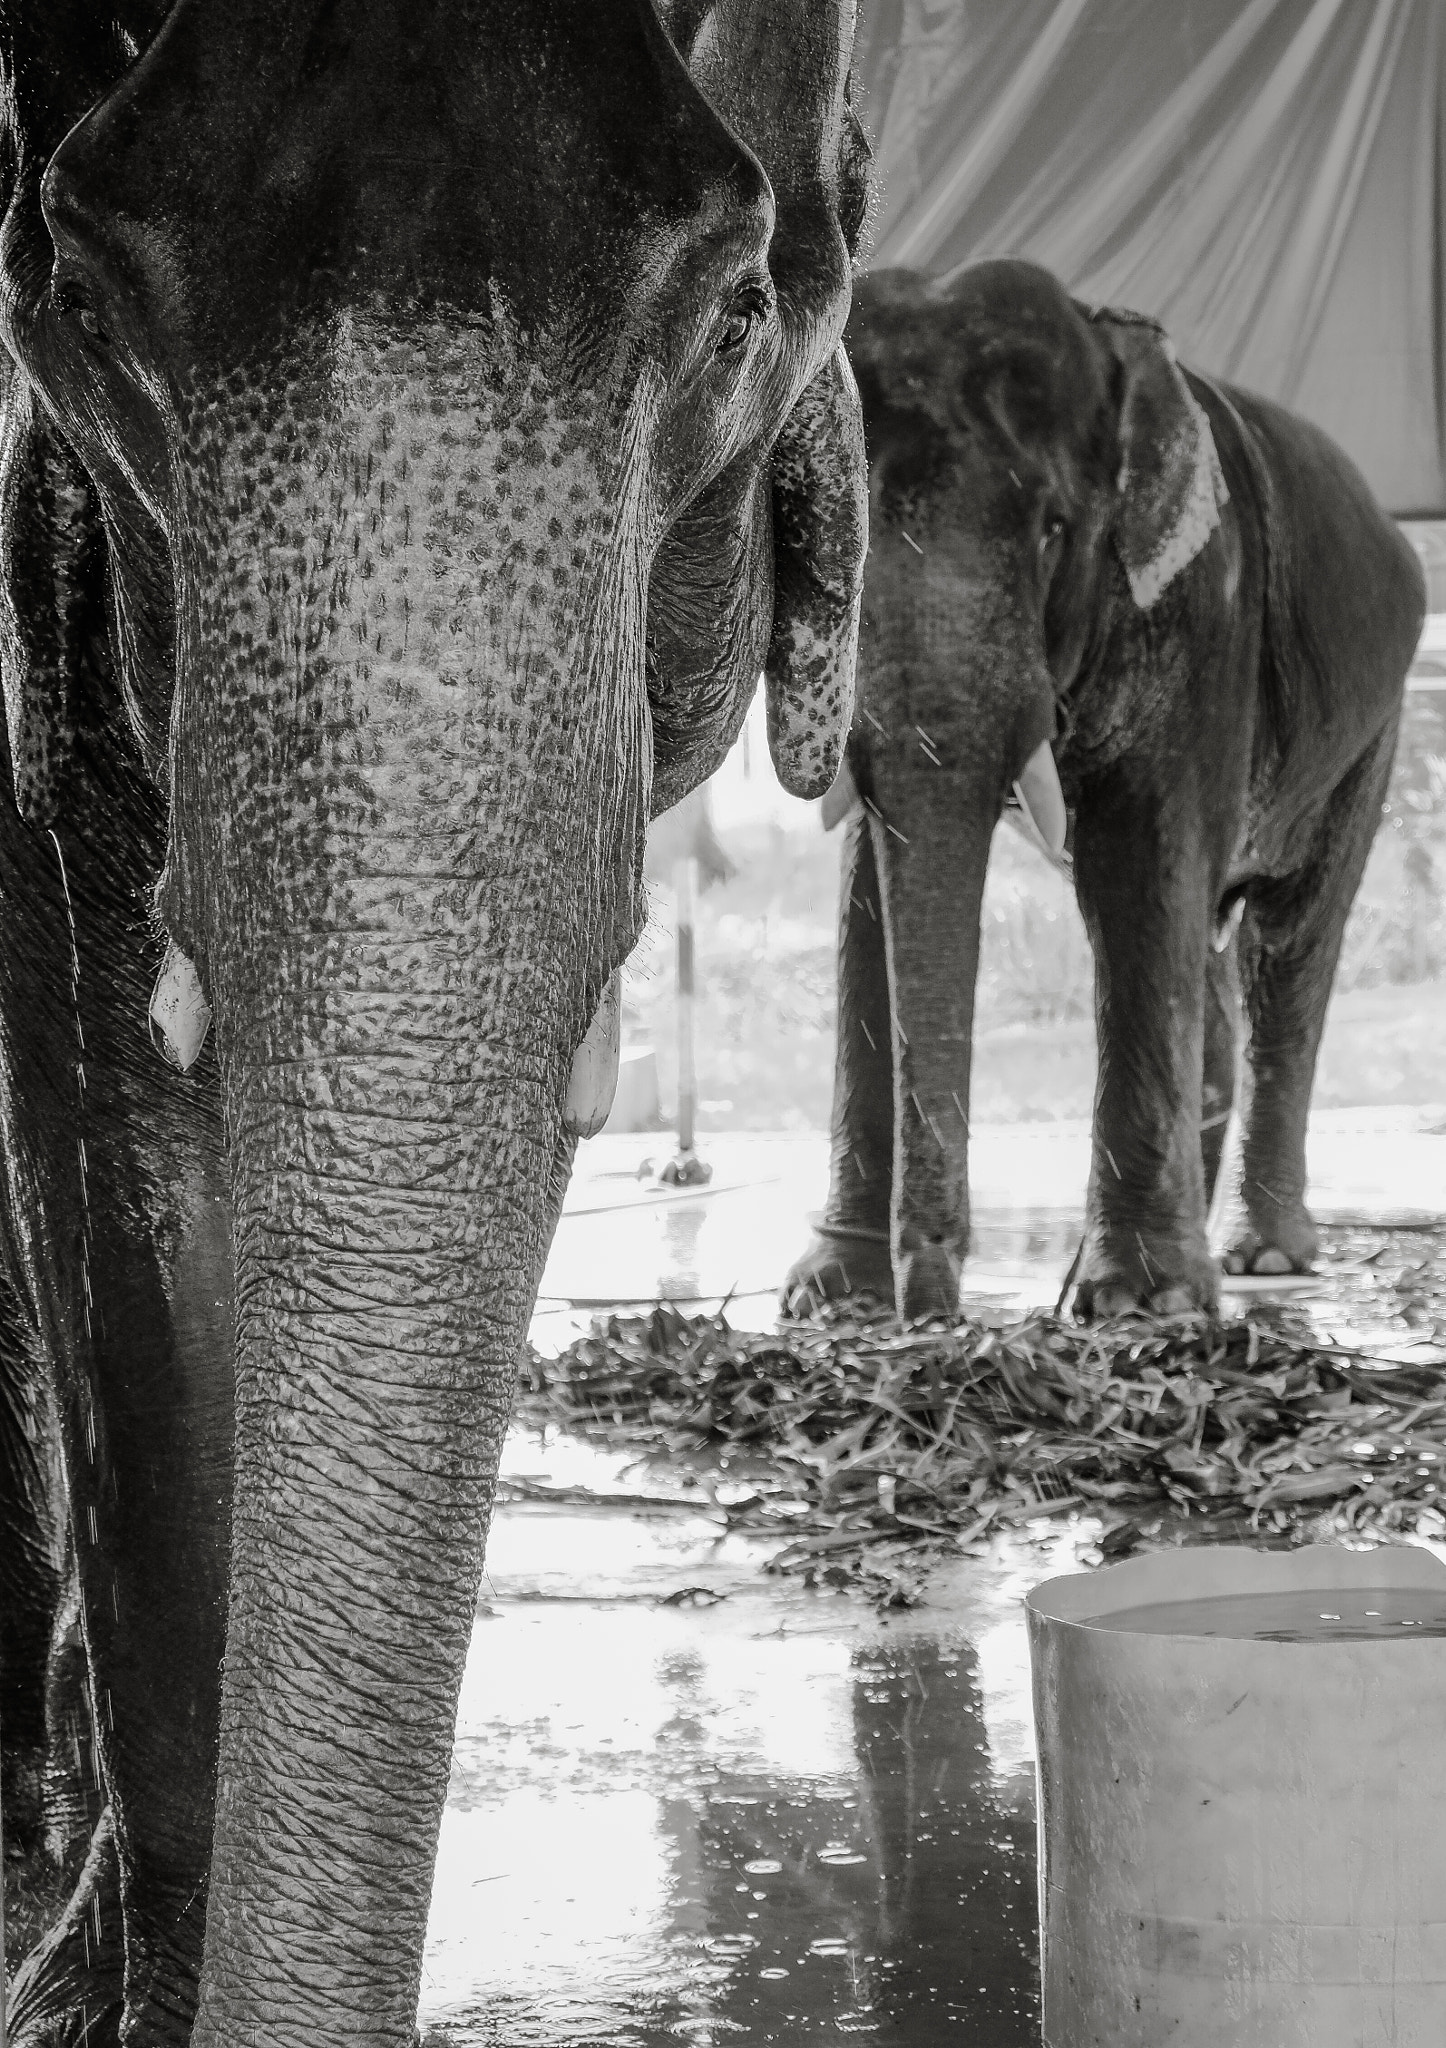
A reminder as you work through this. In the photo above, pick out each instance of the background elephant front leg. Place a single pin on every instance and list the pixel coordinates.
(1145, 895)
(849, 1255)
(1222, 1054)
(1290, 942)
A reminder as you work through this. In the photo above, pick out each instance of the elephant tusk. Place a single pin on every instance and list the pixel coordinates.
(1229, 925)
(839, 798)
(180, 1016)
(593, 1081)
(1042, 800)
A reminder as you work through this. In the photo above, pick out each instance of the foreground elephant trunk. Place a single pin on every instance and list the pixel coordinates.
(463, 401)
(402, 962)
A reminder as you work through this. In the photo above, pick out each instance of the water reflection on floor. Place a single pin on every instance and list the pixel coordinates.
(760, 1817)
(773, 1816)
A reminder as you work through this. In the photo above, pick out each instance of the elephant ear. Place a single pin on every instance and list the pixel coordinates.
(48, 526)
(765, 570)
(1171, 486)
(820, 540)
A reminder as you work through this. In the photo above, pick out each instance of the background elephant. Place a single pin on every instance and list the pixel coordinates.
(420, 425)
(1090, 568)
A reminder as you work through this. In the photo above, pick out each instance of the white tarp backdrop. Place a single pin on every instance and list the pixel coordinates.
(1263, 176)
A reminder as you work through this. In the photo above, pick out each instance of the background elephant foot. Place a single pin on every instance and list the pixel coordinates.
(838, 1266)
(70, 1989)
(1141, 1276)
(927, 1282)
(1285, 1243)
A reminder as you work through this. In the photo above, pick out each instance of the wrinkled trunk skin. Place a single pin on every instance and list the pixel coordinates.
(427, 715)
(931, 877)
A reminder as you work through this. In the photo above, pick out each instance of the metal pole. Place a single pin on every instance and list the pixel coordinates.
(687, 1169)
(685, 873)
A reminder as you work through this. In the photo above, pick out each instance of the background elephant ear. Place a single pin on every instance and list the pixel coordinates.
(1170, 482)
(48, 525)
(820, 539)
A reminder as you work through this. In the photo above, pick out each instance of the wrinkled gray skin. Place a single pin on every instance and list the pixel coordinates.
(1217, 657)
(421, 426)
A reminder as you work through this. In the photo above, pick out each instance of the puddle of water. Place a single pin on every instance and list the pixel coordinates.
(815, 1842)
(768, 1820)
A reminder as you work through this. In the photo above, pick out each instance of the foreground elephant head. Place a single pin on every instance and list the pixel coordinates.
(453, 399)
(1095, 576)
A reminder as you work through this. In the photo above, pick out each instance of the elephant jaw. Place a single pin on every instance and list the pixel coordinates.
(593, 1081)
(180, 1016)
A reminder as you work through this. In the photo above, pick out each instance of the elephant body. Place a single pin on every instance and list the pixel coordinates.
(417, 429)
(1182, 602)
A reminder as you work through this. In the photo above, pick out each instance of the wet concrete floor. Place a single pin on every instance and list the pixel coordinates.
(693, 1802)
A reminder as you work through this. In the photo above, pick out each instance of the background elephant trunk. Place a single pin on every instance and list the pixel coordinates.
(931, 876)
(956, 700)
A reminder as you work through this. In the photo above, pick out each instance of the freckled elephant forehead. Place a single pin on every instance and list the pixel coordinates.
(425, 493)
(266, 157)
(417, 628)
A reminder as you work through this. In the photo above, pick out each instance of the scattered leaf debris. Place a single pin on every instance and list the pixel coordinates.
(874, 1449)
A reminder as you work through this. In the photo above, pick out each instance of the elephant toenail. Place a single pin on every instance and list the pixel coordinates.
(1271, 1261)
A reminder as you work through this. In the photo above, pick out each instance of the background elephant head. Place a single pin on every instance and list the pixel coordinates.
(437, 391)
(1031, 463)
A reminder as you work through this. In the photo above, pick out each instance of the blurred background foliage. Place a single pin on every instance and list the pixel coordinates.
(765, 958)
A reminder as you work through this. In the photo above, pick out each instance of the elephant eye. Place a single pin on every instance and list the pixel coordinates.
(76, 309)
(735, 333)
(738, 322)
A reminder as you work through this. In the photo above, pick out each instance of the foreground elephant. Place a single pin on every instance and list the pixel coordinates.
(421, 424)
(1180, 602)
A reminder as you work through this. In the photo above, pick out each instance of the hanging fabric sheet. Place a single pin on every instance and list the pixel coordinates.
(1263, 176)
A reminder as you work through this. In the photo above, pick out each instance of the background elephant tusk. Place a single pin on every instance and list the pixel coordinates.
(1229, 925)
(1042, 800)
(839, 798)
(180, 1015)
(594, 1078)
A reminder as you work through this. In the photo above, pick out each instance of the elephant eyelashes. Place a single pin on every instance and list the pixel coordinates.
(748, 307)
(87, 316)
